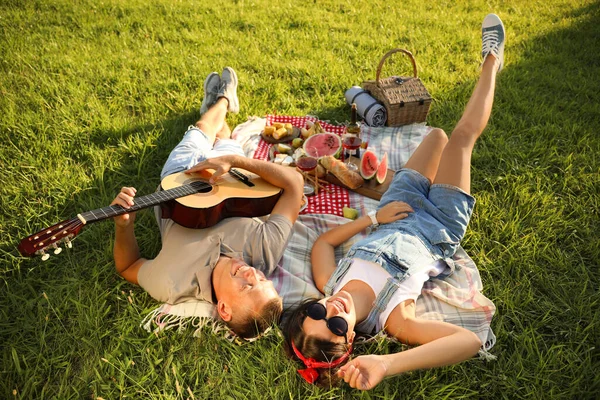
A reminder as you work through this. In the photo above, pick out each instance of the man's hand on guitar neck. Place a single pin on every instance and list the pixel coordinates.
(125, 200)
(126, 251)
(286, 178)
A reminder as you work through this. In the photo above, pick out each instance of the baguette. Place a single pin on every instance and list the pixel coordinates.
(348, 178)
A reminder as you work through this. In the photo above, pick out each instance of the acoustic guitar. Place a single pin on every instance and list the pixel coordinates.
(188, 199)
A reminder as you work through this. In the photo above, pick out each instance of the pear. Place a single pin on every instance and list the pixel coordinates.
(284, 148)
(350, 213)
(297, 142)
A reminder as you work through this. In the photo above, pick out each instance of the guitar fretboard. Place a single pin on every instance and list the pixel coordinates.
(146, 201)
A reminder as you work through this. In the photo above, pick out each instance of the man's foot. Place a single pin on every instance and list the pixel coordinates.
(228, 89)
(492, 37)
(212, 83)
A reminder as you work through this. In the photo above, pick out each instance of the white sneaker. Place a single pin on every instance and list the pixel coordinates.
(492, 37)
(228, 89)
(212, 83)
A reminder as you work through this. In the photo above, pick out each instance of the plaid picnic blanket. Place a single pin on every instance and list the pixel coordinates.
(456, 299)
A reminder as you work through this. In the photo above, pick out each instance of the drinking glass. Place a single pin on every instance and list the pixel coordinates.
(308, 164)
(352, 144)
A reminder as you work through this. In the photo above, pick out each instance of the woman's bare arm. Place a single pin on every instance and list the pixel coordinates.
(441, 344)
(323, 251)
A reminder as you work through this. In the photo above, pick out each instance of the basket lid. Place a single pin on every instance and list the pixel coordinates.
(403, 89)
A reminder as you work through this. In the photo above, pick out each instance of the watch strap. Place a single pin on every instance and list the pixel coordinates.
(373, 216)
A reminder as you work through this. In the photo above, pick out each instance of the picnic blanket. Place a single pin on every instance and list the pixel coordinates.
(456, 299)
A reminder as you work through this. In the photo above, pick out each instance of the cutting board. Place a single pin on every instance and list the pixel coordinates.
(370, 188)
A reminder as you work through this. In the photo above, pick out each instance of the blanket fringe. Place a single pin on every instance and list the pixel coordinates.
(486, 355)
(159, 320)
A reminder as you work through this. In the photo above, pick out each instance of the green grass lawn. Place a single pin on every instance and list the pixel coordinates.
(94, 94)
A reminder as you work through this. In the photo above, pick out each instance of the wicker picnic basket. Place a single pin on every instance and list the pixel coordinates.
(405, 97)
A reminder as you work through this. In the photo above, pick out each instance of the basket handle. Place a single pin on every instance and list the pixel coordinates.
(389, 53)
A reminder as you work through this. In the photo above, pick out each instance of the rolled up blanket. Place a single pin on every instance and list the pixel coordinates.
(367, 106)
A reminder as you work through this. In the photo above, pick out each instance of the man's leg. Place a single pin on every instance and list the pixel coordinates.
(225, 132)
(213, 120)
(455, 164)
(198, 141)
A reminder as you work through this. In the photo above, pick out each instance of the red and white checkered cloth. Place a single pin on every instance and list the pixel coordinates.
(326, 202)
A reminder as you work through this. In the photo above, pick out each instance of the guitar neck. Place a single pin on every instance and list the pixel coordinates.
(142, 202)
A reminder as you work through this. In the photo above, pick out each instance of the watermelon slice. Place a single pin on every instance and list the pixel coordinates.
(322, 144)
(368, 165)
(382, 170)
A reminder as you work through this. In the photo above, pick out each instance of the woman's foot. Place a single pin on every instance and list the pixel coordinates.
(493, 37)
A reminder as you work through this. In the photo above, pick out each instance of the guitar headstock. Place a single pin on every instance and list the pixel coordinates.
(50, 238)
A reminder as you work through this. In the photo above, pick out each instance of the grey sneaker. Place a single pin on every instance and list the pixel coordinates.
(212, 83)
(228, 89)
(492, 37)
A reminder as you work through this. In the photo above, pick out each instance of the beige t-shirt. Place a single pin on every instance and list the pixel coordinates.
(182, 270)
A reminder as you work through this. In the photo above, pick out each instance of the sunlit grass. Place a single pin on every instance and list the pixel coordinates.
(93, 95)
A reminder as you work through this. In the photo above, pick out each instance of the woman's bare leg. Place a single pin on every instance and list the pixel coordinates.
(455, 165)
(426, 157)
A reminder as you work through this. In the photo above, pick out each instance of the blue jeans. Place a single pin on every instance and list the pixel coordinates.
(432, 232)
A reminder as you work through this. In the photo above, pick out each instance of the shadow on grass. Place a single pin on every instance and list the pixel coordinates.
(144, 176)
(536, 169)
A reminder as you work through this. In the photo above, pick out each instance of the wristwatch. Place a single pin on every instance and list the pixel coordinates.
(373, 216)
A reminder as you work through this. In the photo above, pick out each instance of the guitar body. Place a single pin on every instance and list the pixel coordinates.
(228, 198)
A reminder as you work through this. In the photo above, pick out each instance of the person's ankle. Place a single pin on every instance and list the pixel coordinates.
(490, 58)
(225, 102)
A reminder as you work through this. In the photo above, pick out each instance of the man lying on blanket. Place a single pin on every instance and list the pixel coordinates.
(224, 264)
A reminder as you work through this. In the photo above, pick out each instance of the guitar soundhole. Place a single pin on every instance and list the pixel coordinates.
(200, 186)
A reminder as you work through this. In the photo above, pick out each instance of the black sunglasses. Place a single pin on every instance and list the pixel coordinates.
(337, 325)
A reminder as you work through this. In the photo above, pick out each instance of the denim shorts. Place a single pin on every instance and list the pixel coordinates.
(196, 147)
(432, 232)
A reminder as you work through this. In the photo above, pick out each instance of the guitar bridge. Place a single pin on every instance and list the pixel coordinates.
(241, 177)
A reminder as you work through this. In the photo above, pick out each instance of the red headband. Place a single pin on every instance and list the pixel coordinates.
(310, 374)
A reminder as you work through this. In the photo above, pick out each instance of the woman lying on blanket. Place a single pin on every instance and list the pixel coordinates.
(422, 218)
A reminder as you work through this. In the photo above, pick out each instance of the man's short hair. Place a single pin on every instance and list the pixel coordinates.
(251, 325)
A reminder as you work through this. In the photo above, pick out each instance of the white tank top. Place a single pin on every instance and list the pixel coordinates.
(376, 277)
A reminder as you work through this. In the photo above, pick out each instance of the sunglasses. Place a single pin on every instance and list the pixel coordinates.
(337, 325)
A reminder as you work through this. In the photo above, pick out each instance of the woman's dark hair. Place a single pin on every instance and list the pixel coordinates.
(312, 347)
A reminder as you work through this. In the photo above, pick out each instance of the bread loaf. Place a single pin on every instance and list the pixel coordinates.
(269, 130)
(279, 133)
(348, 178)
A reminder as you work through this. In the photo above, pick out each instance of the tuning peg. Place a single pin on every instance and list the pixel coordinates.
(45, 255)
(68, 243)
(57, 249)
